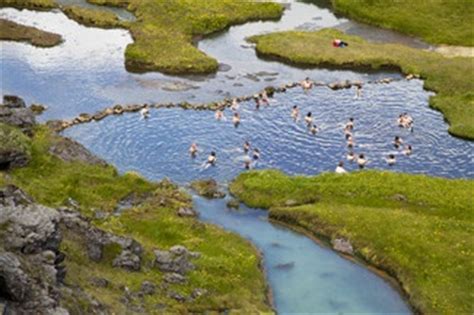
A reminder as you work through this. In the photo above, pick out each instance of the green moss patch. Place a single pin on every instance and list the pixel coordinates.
(436, 21)
(450, 78)
(417, 228)
(29, 4)
(91, 17)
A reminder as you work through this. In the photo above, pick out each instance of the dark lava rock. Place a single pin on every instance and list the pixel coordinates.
(207, 188)
(148, 288)
(128, 260)
(100, 282)
(71, 151)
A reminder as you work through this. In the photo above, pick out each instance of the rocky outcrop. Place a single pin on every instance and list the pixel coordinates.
(207, 188)
(14, 112)
(71, 151)
(31, 266)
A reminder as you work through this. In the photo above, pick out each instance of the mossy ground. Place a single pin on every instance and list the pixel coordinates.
(91, 17)
(450, 78)
(416, 227)
(29, 4)
(164, 30)
(17, 32)
(436, 21)
(228, 268)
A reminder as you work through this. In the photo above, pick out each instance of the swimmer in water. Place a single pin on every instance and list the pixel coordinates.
(350, 141)
(212, 159)
(358, 91)
(264, 97)
(408, 150)
(391, 160)
(340, 168)
(295, 113)
(235, 104)
(193, 149)
(247, 164)
(256, 154)
(350, 157)
(257, 102)
(145, 112)
(313, 129)
(361, 161)
(306, 84)
(246, 146)
(309, 119)
(219, 114)
(350, 124)
(236, 119)
(397, 142)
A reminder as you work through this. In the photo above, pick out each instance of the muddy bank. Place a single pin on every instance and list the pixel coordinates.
(21, 33)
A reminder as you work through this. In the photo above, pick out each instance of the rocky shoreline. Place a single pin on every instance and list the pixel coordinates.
(61, 125)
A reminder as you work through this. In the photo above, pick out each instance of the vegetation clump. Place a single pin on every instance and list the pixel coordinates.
(450, 78)
(30, 4)
(17, 32)
(417, 228)
(436, 21)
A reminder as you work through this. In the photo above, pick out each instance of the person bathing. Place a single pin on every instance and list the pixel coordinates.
(340, 168)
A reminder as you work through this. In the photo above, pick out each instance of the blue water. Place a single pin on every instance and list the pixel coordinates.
(158, 147)
(315, 280)
(86, 73)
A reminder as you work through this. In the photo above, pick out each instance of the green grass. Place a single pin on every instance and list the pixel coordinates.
(91, 17)
(435, 21)
(229, 267)
(418, 228)
(29, 4)
(164, 30)
(450, 78)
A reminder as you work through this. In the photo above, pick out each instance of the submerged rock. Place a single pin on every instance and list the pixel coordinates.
(207, 188)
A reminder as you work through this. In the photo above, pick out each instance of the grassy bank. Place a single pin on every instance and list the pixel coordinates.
(21, 33)
(96, 18)
(29, 4)
(450, 78)
(418, 228)
(164, 31)
(229, 268)
(435, 21)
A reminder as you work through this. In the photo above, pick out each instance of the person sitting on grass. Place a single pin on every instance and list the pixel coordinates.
(339, 43)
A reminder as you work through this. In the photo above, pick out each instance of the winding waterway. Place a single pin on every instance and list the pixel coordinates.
(86, 73)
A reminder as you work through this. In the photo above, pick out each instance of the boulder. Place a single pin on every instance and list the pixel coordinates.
(13, 101)
(71, 151)
(233, 204)
(21, 117)
(128, 260)
(148, 288)
(174, 277)
(207, 188)
(343, 246)
(177, 260)
(187, 212)
(38, 109)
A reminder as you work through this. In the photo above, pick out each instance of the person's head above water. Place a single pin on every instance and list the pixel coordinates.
(340, 164)
(213, 153)
(309, 114)
(361, 156)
